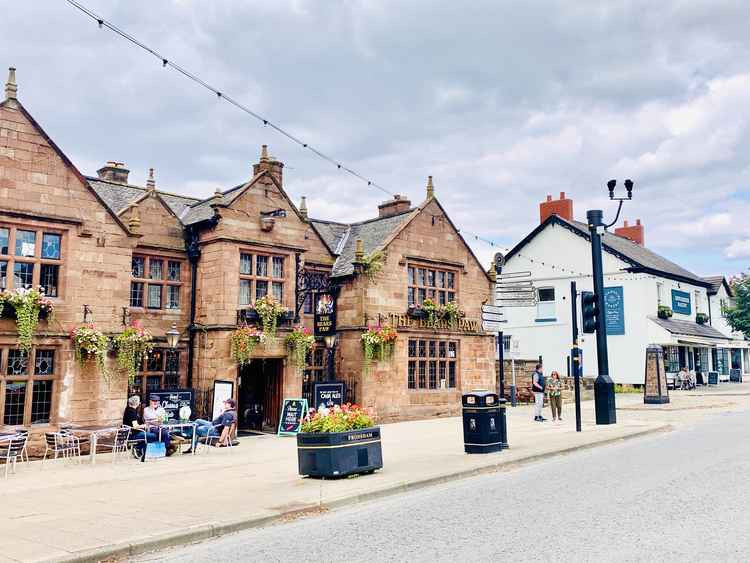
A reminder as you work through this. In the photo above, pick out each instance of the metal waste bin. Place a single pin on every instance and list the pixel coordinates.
(483, 432)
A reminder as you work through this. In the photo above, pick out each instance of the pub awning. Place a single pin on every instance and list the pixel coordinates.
(691, 333)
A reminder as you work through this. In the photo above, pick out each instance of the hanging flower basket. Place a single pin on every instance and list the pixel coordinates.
(132, 345)
(89, 343)
(701, 318)
(299, 342)
(378, 342)
(270, 311)
(26, 306)
(244, 341)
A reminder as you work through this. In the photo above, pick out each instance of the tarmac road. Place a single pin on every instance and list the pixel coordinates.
(681, 496)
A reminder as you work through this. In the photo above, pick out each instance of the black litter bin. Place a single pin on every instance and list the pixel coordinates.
(483, 432)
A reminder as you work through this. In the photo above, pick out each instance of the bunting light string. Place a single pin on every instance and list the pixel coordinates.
(221, 95)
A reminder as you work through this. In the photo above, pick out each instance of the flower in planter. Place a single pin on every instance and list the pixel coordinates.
(269, 311)
(90, 343)
(664, 312)
(29, 304)
(132, 345)
(300, 342)
(451, 312)
(378, 341)
(337, 419)
(244, 341)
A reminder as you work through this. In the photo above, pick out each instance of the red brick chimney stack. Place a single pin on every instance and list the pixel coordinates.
(562, 207)
(269, 163)
(394, 206)
(632, 232)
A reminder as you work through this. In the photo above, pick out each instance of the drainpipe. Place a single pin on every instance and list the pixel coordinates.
(194, 254)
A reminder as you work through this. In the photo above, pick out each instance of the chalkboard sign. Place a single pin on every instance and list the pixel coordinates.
(735, 375)
(325, 315)
(328, 393)
(173, 400)
(713, 377)
(292, 413)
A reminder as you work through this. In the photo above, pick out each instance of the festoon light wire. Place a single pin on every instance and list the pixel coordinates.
(166, 62)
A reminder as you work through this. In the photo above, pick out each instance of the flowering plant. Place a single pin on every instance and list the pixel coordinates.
(269, 311)
(378, 340)
(451, 312)
(337, 419)
(88, 343)
(244, 341)
(300, 342)
(28, 303)
(132, 345)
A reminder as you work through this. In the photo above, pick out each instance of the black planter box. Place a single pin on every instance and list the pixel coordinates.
(9, 312)
(338, 454)
(417, 313)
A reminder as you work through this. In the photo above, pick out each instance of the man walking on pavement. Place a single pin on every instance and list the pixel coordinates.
(537, 386)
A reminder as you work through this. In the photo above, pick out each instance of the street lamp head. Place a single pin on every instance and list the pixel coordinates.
(173, 336)
(611, 187)
(629, 187)
(330, 341)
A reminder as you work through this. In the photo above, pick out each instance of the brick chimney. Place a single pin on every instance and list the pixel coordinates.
(394, 206)
(114, 172)
(632, 232)
(269, 163)
(562, 207)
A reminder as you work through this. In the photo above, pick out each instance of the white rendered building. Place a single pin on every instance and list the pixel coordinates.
(638, 283)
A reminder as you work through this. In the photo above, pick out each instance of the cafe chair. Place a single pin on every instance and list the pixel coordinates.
(25, 452)
(11, 450)
(134, 439)
(61, 444)
(209, 439)
(117, 442)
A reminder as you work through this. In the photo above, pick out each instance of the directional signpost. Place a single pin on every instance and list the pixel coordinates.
(515, 289)
(492, 318)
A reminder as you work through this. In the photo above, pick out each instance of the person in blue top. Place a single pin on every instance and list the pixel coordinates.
(219, 425)
(538, 385)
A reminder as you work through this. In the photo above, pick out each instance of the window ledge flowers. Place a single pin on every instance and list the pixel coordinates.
(377, 342)
(244, 341)
(132, 345)
(337, 419)
(89, 343)
(269, 311)
(27, 306)
(299, 342)
(434, 313)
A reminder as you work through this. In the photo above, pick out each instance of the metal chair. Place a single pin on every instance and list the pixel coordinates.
(119, 443)
(25, 452)
(134, 439)
(11, 449)
(61, 444)
(210, 439)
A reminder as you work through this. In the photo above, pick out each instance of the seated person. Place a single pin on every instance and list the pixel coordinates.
(154, 414)
(685, 376)
(219, 425)
(133, 420)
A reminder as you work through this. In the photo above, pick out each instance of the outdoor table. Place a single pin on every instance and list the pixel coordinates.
(174, 425)
(93, 433)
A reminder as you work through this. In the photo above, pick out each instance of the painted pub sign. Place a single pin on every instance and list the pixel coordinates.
(325, 315)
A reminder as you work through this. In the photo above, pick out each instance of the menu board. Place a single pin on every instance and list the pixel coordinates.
(172, 400)
(293, 411)
(328, 393)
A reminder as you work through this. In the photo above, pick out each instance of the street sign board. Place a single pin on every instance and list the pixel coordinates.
(492, 326)
(492, 309)
(492, 318)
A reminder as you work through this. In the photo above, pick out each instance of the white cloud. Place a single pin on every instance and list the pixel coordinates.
(738, 249)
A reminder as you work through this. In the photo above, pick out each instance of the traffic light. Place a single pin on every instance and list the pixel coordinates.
(589, 311)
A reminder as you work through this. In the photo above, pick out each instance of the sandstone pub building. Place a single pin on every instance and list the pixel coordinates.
(112, 253)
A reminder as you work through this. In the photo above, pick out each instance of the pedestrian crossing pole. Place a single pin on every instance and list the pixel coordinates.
(575, 353)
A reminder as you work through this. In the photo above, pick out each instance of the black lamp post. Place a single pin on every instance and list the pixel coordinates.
(604, 387)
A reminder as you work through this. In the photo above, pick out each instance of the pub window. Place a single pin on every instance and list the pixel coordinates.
(35, 259)
(671, 359)
(431, 364)
(430, 283)
(722, 307)
(27, 386)
(260, 275)
(160, 369)
(315, 370)
(156, 283)
(545, 308)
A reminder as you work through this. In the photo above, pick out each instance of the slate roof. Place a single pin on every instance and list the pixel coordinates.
(342, 238)
(688, 328)
(716, 283)
(119, 196)
(640, 257)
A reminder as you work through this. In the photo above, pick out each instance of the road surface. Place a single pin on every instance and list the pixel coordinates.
(680, 496)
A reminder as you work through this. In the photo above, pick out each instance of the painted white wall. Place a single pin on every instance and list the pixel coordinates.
(718, 321)
(557, 247)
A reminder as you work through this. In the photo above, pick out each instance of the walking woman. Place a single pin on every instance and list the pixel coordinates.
(555, 395)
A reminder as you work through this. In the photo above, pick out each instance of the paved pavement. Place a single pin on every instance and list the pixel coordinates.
(681, 496)
(79, 512)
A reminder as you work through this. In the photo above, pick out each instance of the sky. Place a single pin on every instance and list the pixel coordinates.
(502, 102)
